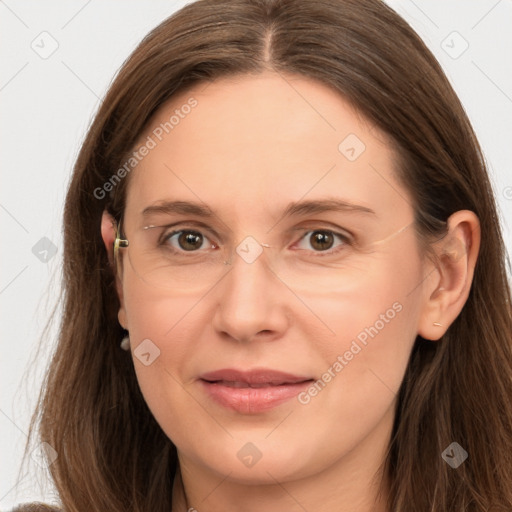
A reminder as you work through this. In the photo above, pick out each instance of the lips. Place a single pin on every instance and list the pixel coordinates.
(252, 391)
(241, 384)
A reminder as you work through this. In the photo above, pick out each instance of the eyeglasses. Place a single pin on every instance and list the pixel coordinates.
(157, 263)
(197, 263)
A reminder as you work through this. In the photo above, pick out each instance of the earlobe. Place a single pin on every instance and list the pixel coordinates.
(447, 292)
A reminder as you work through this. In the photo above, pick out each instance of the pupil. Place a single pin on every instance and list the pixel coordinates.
(188, 240)
(324, 240)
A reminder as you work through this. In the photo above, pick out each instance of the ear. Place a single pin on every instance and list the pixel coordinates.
(448, 285)
(108, 234)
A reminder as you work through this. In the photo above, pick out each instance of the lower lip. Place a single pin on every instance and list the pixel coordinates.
(252, 400)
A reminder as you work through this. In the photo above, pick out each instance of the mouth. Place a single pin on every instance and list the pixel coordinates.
(254, 391)
(240, 384)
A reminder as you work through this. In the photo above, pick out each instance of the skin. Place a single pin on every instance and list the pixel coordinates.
(252, 145)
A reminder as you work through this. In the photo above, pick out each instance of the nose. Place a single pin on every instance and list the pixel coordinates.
(252, 303)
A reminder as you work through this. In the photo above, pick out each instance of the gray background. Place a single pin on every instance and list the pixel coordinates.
(47, 101)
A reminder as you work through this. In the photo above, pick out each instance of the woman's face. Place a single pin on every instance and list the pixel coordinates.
(318, 309)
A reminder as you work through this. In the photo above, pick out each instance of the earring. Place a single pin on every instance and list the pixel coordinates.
(125, 343)
(437, 324)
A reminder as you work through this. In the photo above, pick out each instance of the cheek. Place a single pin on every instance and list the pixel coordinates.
(375, 323)
(167, 323)
(374, 304)
(373, 318)
(171, 325)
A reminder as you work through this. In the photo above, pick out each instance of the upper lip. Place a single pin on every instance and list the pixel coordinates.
(254, 376)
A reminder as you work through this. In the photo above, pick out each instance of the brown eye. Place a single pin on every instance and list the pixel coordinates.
(190, 240)
(185, 240)
(321, 240)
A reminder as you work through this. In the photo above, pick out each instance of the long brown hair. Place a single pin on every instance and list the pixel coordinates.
(112, 455)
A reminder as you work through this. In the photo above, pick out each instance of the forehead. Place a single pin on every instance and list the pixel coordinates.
(254, 141)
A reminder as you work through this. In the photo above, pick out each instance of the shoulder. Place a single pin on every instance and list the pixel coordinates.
(35, 507)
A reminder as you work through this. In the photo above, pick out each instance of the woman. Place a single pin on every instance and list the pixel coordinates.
(281, 212)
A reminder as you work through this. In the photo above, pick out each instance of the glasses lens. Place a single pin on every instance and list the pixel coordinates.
(187, 259)
(170, 258)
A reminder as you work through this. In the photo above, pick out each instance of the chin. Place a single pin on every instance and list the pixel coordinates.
(260, 461)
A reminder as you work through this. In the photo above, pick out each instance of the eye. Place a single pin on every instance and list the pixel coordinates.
(186, 240)
(322, 240)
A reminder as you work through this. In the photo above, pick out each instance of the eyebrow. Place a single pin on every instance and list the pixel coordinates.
(298, 208)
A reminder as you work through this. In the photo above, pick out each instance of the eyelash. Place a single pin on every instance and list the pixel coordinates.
(344, 238)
